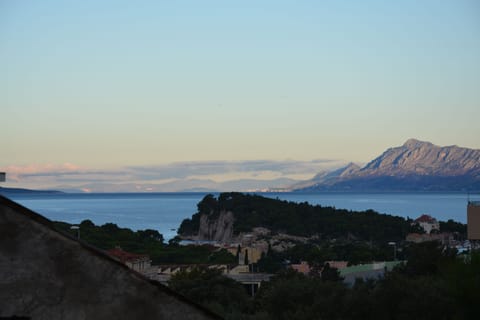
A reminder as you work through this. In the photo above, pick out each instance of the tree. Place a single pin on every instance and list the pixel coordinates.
(239, 249)
(150, 234)
(427, 258)
(213, 290)
(330, 274)
(270, 262)
(207, 204)
(292, 295)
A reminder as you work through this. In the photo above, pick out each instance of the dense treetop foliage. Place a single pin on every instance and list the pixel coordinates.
(209, 287)
(300, 219)
(434, 284)
(318, 253)
(454, 227)
(110, 235)
(149, 242)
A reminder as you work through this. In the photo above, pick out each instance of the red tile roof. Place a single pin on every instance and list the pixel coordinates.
(125, 256)
(425, 218)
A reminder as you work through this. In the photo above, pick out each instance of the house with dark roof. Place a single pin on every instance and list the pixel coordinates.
(45, 274)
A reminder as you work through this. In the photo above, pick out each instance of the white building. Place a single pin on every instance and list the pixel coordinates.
(427, 223)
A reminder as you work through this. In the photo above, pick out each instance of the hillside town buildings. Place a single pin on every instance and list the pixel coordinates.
(302, 267)
(305, 268)
(445, 238)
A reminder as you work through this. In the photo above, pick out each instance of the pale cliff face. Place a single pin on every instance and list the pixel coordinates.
(217, 229)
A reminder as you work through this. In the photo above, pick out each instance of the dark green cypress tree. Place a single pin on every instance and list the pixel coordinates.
(239, 249)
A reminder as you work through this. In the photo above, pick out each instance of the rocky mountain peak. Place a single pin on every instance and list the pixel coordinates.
(350, 169)
(424, 158)
(414, 144)
(415, 165)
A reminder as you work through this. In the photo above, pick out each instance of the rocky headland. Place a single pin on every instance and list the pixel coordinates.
(252, 220)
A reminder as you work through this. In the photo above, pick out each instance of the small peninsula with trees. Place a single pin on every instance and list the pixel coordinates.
(301, 231)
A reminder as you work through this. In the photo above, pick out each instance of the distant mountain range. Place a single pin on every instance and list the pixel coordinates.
(185, 185)
(414, 166)
(25, 191)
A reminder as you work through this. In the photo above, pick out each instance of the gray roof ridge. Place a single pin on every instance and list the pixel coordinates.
(18, 208)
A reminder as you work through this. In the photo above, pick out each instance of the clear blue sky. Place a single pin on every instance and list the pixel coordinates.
(118, 83)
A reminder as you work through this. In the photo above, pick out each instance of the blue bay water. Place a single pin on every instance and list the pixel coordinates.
(165, 211)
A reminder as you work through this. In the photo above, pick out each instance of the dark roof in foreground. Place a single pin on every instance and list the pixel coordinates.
(46, 274)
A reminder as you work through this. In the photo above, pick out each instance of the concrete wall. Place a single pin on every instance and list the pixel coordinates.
(47, 275)
(254, 254)
(473, 221)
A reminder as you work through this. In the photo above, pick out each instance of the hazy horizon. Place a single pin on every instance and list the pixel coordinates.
(152, 92)
(218, 175)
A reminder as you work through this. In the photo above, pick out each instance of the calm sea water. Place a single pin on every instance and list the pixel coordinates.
(165, 211)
